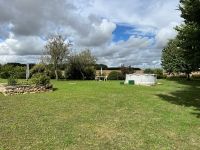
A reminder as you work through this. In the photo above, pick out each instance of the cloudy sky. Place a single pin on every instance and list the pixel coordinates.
(129, 32)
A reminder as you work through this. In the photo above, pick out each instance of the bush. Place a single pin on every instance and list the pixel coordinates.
(72, 73)
(89, 72)
(20, 72)
(114, 75)
(148, 71)
(12, 81)
(38, 68)
(158, 72)
(40, 79)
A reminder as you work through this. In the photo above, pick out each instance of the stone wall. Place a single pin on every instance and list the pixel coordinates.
(26, 89)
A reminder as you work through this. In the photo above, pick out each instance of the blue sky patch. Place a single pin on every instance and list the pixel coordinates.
(124, 32)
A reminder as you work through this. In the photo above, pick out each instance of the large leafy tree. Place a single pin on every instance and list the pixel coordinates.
(173, 60)
(189, 32)
(56, 52)
(81, 60)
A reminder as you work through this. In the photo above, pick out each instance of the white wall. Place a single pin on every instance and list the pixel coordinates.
(143, 79)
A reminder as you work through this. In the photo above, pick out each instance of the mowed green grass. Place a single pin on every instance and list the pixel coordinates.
(103, 116)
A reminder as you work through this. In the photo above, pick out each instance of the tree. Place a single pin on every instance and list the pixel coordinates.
(99, 66)
(82, 60)
(56, 52)
(148, 71)
(173, 60)
(126, 70)
(115, 75)
(189, 32)
(7, 71)
(158, 72)
(90, 72)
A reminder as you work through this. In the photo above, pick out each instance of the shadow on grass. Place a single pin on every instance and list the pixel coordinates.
(55, 89)
(188, 97)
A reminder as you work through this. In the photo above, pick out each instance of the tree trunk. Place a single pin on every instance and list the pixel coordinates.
(188, 76)
(83, 77)
(56, 73)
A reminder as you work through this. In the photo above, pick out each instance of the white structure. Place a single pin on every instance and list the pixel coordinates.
(142, 79)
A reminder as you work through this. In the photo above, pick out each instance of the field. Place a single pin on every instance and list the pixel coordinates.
(103, 116)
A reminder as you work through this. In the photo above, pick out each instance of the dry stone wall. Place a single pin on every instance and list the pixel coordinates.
(26, 89)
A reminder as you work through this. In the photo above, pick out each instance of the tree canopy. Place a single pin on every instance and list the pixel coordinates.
(126, 70)
(173, 60)
(81, 60)
(56, 51)
(189, 32)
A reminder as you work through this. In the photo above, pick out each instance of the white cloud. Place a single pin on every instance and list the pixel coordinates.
(98, 35)
(89, 23)
(164, 34)
(30, 45)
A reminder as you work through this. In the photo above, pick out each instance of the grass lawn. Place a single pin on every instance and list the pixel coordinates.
(103, 116)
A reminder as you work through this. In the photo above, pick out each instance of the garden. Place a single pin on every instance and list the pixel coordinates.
(85, 114)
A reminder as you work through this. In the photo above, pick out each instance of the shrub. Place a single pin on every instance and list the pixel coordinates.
(72, 73)
(20, 72)
(38, 68)
(12, 81)
(148, 71)
(114, 75)
(40, 78)
(89, 72)
(158, 72)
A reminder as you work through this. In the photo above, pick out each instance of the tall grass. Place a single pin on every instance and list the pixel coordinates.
(103, 115)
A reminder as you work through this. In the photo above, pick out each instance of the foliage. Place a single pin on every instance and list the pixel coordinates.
(115, 75)
(56, 52)
(38, 68)
(90, 72)
(188, 33)
(51, 74)
(148, 71)
(40, 79)
(158, 72)
(173, 61)
(126, 70)
(99, 66)
(12, 81)
(71, 72)
(6, 71)
(46, 69)
(81, 61)
(20, 72)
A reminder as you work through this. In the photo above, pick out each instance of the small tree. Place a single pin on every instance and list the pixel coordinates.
(82, 60)
(56, 51)
(126, 70)
(114, 75)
